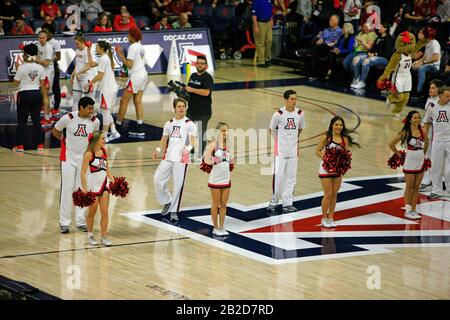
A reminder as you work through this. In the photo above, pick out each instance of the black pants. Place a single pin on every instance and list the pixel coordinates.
(29, 103)
(318, 52)
(203, 119)
(56, 89)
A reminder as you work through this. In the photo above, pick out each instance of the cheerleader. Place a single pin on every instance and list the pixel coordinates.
(95, 158)
(219, 157)
(107, 86)
(137, 80)
(84, 73)
(416, 141)
(337, 136)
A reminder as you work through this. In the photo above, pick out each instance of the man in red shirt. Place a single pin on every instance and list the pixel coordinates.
(50, 9)
(125, 23)
(21, 27)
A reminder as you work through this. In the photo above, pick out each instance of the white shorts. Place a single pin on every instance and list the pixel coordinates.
(108, 100)
(219, 176)
(49, 81)
(414, 161)
(136, 83)
(79, 86)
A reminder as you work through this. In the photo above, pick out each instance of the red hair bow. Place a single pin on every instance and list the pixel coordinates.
(405, 37)
(90, 137)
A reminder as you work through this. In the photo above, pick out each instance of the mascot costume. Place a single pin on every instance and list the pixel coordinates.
(398, 70)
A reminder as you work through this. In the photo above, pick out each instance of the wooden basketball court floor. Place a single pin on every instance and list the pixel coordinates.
(373, 253)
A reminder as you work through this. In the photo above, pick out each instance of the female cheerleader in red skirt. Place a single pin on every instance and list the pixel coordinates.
(218, 155)
(95, 158)
(416, 141)
(337, 136)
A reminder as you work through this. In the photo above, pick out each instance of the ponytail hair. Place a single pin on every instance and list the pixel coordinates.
(93, 139)
(106, 46)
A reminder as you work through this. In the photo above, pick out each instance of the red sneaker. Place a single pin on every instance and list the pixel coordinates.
(40, 147)
(18, 148)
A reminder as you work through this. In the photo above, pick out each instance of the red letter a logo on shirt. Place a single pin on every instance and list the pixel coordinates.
(442, 117)
(81, 131)
(290, 124)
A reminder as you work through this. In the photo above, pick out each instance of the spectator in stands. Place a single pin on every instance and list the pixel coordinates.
(369, 14)
(47, 21)
(177, 7)
(344, 47)
(443, 10)
(410, 19)
(49, 8)
(352, 13)
(162, 5)
(2, 32)
(431, 60)
(182, 22)
(103, 24)
(21, 27)
(378, 56)
(326, 41)
(123, 9)
(8, 12)
(443, 14)
(364, 43)
(125, 23)
(91, 9)
(304, 8)
(322, 11)
(425, 8)
(162, 24)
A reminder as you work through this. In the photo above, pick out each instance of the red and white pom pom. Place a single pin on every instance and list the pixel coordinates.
(337, 161)
(119, 187)
(395, 161)
(205, 167)
(427, 164)
(21, 46)
(88, 43)
(83, 199)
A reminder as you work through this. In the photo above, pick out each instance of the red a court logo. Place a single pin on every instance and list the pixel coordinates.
(442, 117)
(81, 131)
(175, 132)
(290, 124)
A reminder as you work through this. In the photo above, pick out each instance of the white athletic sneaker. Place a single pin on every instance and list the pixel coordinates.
(92, 241)
(114, 136)
(331, 223)
(217, 232)
(354, 82)
(416, 214)
(223, 232)
(106, 242)
(411, 215)
(326, 223)
(359, 85)
(106, 139)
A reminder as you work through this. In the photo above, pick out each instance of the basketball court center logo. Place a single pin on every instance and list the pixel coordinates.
(369, 215)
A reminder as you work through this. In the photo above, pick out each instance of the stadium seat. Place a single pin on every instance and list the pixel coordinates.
(28, 11)
(201, 15)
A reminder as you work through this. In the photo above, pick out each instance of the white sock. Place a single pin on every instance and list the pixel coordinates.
(140, 121)
(90, 234)
(408, 207)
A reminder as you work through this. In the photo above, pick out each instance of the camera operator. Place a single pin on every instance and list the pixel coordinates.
(199, 87)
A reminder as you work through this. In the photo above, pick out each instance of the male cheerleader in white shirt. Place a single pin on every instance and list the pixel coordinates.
(438, 116)
(286, 126)
(431, 102)
(77, 126)
(175, 160)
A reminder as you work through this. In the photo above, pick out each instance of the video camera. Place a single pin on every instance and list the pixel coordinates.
(177, 87)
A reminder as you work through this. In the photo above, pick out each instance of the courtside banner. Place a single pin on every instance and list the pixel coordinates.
(157, 48)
